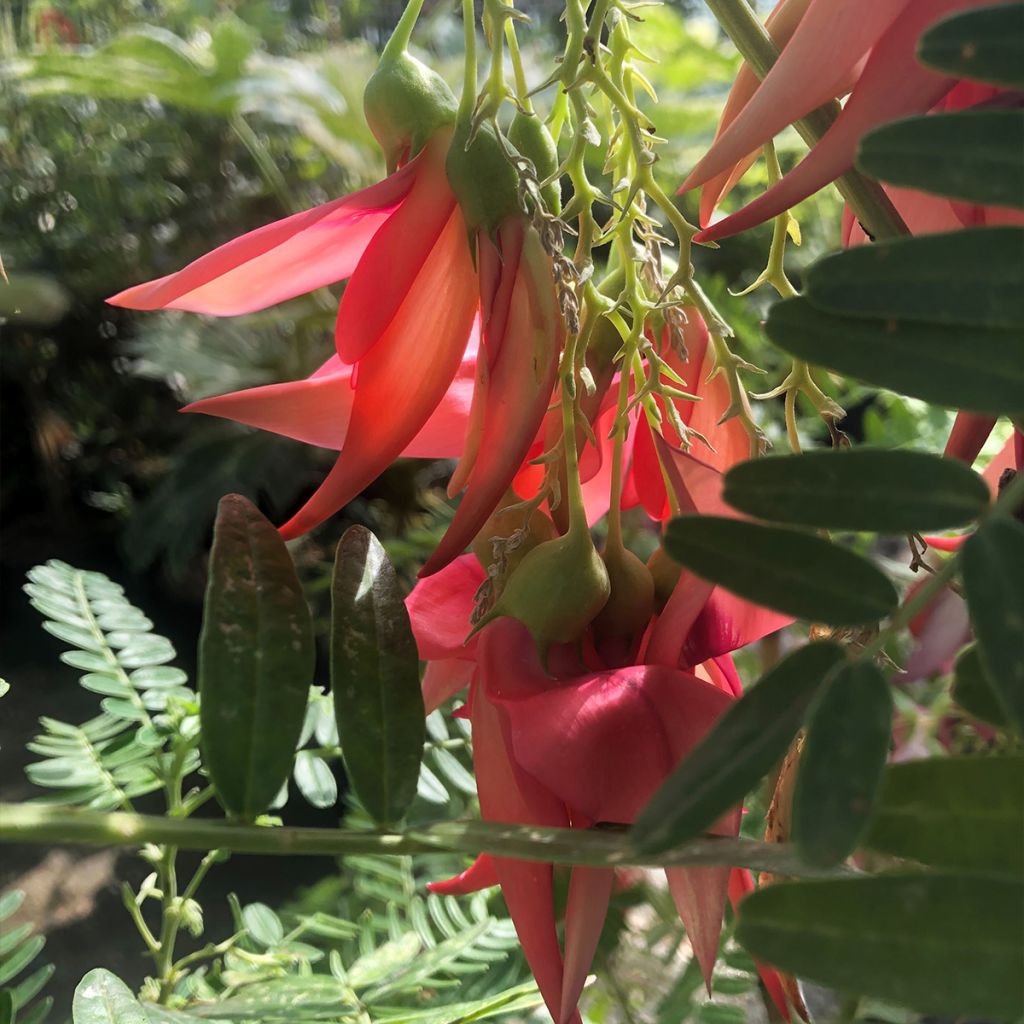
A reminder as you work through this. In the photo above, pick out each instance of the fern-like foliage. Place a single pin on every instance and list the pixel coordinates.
(146, 706)
(21, 978)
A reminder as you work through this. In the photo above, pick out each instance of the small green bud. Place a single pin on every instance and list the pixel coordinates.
(484, 181)
(530, 135)
(526, 533)
(556, 592)
(405, 103)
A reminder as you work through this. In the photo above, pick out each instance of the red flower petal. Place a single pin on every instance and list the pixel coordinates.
(278, 261)
(481, 874)
(442, 680)
(440, 608)
(586, 907)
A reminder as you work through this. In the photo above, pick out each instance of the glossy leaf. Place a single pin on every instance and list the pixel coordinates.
(970, 155)
(842, 762)
(745, 743)
(993, 573)
(789, 570)
(954, 812)
(973, 690)
(858, 489)
(986, 45)
(375, 678)
(947, 944)
(255, 660)
(980, 369)
(102, 998)
(969, 277)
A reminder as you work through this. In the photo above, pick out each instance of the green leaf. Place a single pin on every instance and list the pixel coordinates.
(985, 45)
(256, 659)
(375, 678)
(15, 962)
(992, 565)
(745, 743)
(973, 690)
(956, 812)
(789, 570)
(858, 489)
(842, 762)
(969, 277)
(946, 944)
(263, 925)
(102, 998)
(315, 780)
(970, 155)
(7, 1010)
(290, 998)
(980, 369)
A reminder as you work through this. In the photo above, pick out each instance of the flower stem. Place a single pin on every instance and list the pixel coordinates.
(867, 199)
(399, 40)
(468, 99)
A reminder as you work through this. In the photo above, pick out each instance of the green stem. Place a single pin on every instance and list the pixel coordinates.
(399, 40)
(43, 823)
(468, 99)
(867, 199)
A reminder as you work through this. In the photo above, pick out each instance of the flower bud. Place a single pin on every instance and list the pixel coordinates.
(484, 181)
(556, 592)
(520, 535)
(405, 103)
(530, 135)
(665, 572)
(631, 603)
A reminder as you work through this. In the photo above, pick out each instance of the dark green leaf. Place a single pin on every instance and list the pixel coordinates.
(858, 489)
(946, 944)
(842, 762)
(993, 573)
(969, 277)
(986, 45)
(102, 998)
(973, 691)
(255, 660)
(956, 812)
(981, 369)
(6, 1006)
(745, 743)
(789, 570)
(375, 678)
(970, 155)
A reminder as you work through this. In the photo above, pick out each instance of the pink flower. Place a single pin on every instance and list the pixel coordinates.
(828, 48)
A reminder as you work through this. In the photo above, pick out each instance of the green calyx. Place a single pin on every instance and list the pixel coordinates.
(485, 183)
(556, 592)
(530, 135)
(405, 103)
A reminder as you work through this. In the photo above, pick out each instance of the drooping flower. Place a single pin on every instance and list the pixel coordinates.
(829, 47)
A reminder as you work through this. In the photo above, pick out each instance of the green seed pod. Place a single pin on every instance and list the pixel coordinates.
(666, 572)
(405, 103)
(536, 529)
(556, 592)
(631, 604)
(530, 135)
(484, 181)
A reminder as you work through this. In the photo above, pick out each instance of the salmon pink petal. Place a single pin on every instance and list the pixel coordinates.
(481, 874)
(941, 630)
(669, 633)
(813, 68)
(392, 260)
(440, 608)
(968, 436)
(279, 261)
(722, 672)
(518, 393)
(508, 794)
(780, 23)
(403, 379)
(442, 680)
(699, 895)
(317, 410)
(892, 85)
(725, 624)
(586, 907)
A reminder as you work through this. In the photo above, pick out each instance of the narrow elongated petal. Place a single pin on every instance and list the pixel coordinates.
(586, 907)
(316, 410)
(394, 257)
(440, 608)
(442, 680)
(892, 85)
(281, 260)
(969, 434)
(481, 874)
(404, 377)
(815, 63)
(699, 895)
(518, 393)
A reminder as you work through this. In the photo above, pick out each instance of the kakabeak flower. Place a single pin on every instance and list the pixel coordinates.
(828, 48)
(424, 262)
